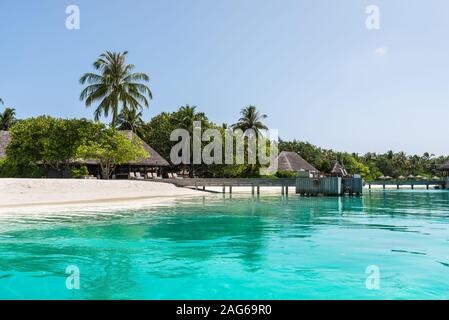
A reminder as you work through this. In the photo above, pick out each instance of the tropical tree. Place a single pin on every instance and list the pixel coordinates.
(7, 119)
(115, 87)
(251, 119)
(1, 101)
(111, 148)
(46, 142)
(186, 115)
(131, 120)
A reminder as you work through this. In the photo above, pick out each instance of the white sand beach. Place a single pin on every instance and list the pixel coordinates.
(50, 194)
(29, 193)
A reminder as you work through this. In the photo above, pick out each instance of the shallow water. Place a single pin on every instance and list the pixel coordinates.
(240, 248)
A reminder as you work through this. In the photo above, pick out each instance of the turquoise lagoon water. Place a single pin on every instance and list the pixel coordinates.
(240, 248)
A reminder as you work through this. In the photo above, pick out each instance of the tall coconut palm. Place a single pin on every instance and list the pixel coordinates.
(131, 120)
(115, 87)
(1, 101)
(7, 119)
(251, 119)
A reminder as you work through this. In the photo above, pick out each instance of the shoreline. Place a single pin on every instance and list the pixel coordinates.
(37, 195)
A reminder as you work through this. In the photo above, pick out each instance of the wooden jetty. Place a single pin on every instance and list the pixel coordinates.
(328, 186)
(410, 183)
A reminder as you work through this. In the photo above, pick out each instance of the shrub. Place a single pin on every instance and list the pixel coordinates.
(79, 172)
(286, 174)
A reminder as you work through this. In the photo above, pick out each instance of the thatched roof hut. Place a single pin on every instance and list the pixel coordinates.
(339, 170)
(153, 160)
(291, 161)
(5, 138)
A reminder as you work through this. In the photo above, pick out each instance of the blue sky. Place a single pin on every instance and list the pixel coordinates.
(312, 66)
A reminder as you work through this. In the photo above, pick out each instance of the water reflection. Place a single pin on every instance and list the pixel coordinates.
(131, 254)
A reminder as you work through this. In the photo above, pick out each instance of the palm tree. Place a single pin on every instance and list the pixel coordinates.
(1, 101)
(251, 119)
(7, 119)
(186, 115)
(131, 120)
(116, 88)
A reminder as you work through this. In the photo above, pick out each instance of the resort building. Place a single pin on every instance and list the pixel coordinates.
(292, 162)
(154, 163)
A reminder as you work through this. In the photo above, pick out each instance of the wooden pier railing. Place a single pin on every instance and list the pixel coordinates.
(303, 186)
(410, 183)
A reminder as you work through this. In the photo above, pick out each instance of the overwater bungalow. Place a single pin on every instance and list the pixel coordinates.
(291, 162)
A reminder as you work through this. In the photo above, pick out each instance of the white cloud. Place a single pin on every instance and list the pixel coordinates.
(381, 51)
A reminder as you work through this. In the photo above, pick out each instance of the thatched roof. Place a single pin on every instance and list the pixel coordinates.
(339, 170)
(5, 138)
(154, 159)
(291, 161)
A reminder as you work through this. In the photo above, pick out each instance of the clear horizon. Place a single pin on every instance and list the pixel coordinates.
(313, 67)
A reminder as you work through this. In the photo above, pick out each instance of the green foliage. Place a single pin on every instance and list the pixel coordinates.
(3, 168)
(111, 148)
(7, 119)
(285, 174)
(116, 88)
(251, 119)
(131, 120)
(44, 141)
(79, 172)
(371, 165)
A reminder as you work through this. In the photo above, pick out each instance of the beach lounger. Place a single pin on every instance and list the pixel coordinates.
(132, 175)
(139, 176)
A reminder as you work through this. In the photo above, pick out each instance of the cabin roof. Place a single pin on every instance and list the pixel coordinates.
(291, 161)
(154, 159)
(339, 169)
(5, 138)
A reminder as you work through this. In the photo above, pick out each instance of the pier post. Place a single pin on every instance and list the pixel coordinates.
(230, 189)
(258, 190)
(397, 187)
(427, 187)
(252, 189)
(413, 186)
(383, 186)
(282, 190)
(286, 190)
(224, 189)
(204, 188)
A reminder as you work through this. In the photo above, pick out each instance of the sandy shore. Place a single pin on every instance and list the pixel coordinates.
(50, 194)
(32, 193)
